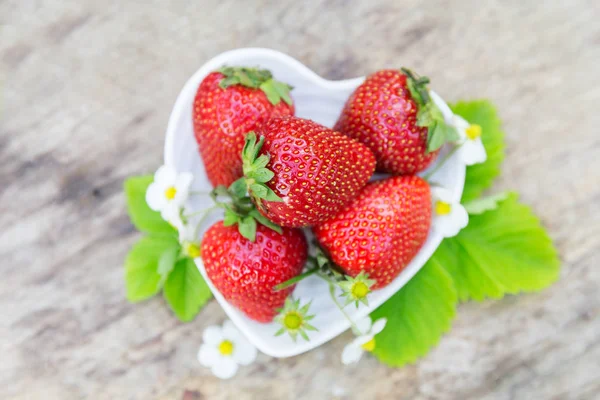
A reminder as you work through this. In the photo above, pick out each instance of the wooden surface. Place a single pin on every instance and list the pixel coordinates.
(87, 88)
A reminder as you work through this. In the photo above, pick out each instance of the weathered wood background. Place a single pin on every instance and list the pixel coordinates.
(87, 88)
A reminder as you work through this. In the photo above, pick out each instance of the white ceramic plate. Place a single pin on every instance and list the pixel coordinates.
(320, 100)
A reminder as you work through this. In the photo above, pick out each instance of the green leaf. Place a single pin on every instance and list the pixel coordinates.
(238, 188)
(230, 218)
(503, 251)
(185, 290)
(481, 176)
(247, 228)
(166, 262)
(261, 175)
(483, 204)
(142, 217)
(276, 91)
(265, 221)
(142, 277)
(417, 315)
(436, 137)
(261, 162)
(259, 190)
(283, 90)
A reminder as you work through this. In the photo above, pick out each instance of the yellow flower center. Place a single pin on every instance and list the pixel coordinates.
(292, 320)
(442, 208)
(359, 290)
(193, 250)
(226, 347)
(473, 131)
(369, 346)
(170, 192)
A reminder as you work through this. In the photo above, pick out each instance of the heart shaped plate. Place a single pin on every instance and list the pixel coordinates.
(320, 100)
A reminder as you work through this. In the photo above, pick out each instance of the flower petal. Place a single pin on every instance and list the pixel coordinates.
(359, 341)
(378, 326)
(165, 175)
(244, 352)
(351, 353)
(460, 215)
(213, 335)
(155, 197)
(364, 325)
(189, 234)
(449, 225)
(472, 152)
(460, 123)
(182, 185)
(208, 355)
(442, 194)
(171, 214)
(224, 368)
(231, 332)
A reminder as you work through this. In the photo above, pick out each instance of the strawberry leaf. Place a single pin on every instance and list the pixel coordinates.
(185, 290)
(481, 176)
(417, 315)
(502, 251)
(143, 269)
(143, 217)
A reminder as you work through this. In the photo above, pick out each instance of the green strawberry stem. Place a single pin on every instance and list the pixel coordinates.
(255, 78)
(332, 294)
(429, 115)
(296, 279)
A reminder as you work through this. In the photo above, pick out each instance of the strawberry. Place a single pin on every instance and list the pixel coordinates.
(381, 230)
(392, 113)
(305, 172)
(229, 103)
(245, 272)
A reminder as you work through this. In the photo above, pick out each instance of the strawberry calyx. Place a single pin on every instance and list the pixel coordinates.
(256, 78)
(256, 175)
(294, 319)
(240, 210)
(429, 115)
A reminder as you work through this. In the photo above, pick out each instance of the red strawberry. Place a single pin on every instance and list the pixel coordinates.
(245, 272)
(392, 113)
(306, 172)
(381, 230)
(229, 103)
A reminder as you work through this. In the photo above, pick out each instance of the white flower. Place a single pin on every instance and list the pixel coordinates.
(188, 238)
(449, 216)
(365, 341)
(471, 150)
(169, 191)
(173, 216)
(224, 349)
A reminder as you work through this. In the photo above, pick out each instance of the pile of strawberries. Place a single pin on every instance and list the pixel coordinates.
(282, 173)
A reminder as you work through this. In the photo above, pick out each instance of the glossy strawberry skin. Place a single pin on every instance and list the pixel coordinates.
(221, 119)
(382, 114)
(317, 170)
(246, 272)
(381, 230)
